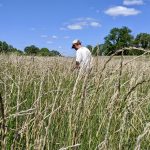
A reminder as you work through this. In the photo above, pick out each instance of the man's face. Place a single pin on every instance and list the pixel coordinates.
(75, 46)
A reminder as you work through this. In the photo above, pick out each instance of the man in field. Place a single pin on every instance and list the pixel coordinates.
(83, 57)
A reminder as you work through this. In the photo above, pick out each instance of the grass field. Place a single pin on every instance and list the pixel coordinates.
(46, 106)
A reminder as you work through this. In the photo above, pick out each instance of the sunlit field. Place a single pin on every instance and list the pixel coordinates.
(44, 105)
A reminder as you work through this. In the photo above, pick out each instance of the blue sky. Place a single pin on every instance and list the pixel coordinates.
(55, 24)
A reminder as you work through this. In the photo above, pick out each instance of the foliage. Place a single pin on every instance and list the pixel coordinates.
(28, 50)
(31, 50)
(142, 40)
(6, 48)
(54, 53)
(117, 38)
(96, 50)
(44, 52)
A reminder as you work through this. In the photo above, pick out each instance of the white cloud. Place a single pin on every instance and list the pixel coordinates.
(49, 42)
(81, 23)
(77, 26)
(54, 37)
(121, 11)
(44, 36)
(84, 19)
(95, 24)
(50, 37)
(133, 2)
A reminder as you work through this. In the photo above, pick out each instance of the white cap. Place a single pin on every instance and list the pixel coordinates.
(75, 42)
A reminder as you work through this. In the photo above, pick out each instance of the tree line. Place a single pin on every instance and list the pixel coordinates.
(119, 38)
(29, 50)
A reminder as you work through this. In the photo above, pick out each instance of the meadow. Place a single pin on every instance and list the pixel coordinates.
(44, 105)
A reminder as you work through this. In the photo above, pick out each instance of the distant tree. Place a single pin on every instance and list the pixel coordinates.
(142, 40)
(117, 39)
(4, 47)
(54, 53)
(90, 47)
(31, 50)
(96, 50)
(18, 52)
(12, 49)
(1, 46)
(44, 52)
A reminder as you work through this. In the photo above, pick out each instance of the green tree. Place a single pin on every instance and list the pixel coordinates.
(142, 40)
(54, 53)
(117, 38)
(4, 47)
(17, 52)
(44, 52)
(96, 50)
(31, 50)
(90, 47)
(1, 46)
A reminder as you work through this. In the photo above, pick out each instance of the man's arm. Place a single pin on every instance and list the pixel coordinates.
(78, 60)
(77, 65)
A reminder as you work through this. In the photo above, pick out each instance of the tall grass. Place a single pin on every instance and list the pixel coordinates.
(46, 106)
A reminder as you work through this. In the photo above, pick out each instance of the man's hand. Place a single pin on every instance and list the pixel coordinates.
(73, 69)
(77, 65)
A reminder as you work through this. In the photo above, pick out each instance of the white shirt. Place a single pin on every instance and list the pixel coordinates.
(84, 57)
